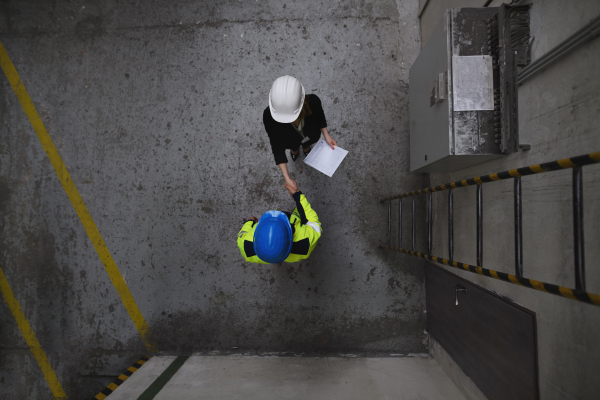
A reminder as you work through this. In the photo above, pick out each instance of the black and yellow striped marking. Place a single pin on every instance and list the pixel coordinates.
(578, 161)
(164, 378)
(572, 294)
(122, 378)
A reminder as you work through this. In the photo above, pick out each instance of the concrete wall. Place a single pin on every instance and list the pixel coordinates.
(431, 11)
(465, 384)
(558, 112)
(156, 109)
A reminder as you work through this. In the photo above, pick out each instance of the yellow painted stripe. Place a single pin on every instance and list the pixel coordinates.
(595, 156)
(464, 183)
(113, 386)
(538, 285)
(101, 396)
(453, 185)
(443, 187)
(465, 267)
(494, 274)
(77, 202)
(536, 168)
(567, 292)
(566, 163)
(514, 172)
(494, 177)
(478, 180)
(123, 377)
(594, 297)
(514, 280)
(479, 270)
(455, 264)
(132, 369)
(30, 338)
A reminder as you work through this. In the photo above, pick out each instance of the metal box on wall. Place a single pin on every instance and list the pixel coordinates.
(456, 101)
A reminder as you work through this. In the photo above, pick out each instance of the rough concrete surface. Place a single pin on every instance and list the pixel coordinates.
(433, 10)
(155, 108)
(238, 377)
(465, 384)
(558, 113)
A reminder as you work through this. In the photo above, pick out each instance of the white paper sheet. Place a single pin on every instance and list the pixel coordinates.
(325, 160)
(473, 80)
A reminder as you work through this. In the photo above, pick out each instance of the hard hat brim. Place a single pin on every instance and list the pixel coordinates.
(283, 118)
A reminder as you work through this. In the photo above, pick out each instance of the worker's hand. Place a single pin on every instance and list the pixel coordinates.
(331, 142)
(291, 189)
(253, 219)
(291, 182)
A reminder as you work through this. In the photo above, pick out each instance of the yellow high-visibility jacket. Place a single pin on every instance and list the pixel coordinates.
(305, 226)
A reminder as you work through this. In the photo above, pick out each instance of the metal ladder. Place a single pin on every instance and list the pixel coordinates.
(575, 163)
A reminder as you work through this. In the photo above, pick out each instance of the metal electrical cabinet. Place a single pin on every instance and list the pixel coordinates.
(463, 100)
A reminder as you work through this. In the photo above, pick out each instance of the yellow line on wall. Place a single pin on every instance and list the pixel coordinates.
(77, 202)
(29, 335)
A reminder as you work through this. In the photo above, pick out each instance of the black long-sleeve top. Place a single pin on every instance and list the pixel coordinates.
(285, 136)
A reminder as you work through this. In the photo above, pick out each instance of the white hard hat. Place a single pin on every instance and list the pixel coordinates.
(286, 99)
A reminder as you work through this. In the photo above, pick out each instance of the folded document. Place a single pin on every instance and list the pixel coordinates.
(323, 159)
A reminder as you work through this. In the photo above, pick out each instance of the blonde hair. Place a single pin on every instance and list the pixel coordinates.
(306, 111)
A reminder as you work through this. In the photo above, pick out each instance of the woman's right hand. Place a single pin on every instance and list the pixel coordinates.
(284, 170)
(291, 182)
(291, 188)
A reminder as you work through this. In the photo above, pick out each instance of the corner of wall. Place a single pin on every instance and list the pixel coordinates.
(455, 372)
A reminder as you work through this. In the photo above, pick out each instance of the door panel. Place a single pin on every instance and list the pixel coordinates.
(491, 338)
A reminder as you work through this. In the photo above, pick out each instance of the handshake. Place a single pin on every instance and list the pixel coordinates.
(291, 187)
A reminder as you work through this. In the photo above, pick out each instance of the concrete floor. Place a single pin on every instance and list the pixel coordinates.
(238, 377)
(156, 111)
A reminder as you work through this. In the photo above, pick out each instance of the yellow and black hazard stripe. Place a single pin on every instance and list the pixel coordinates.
(566, 163)
(122, 378)
(572, 294)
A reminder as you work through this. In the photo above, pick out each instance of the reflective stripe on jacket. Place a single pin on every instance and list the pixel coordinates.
(305, 225)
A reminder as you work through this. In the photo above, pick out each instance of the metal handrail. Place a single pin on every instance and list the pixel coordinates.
(589, 31)
(576, 163)
(565, 163)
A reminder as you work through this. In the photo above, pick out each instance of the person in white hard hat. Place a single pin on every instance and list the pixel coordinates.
(293, 118)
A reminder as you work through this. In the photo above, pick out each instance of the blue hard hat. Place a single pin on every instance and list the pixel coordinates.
(273, 237)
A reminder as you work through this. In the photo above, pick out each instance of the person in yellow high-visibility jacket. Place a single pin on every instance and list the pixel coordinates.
(278, 236)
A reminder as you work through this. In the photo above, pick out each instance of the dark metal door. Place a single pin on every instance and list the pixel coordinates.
(490, 337)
